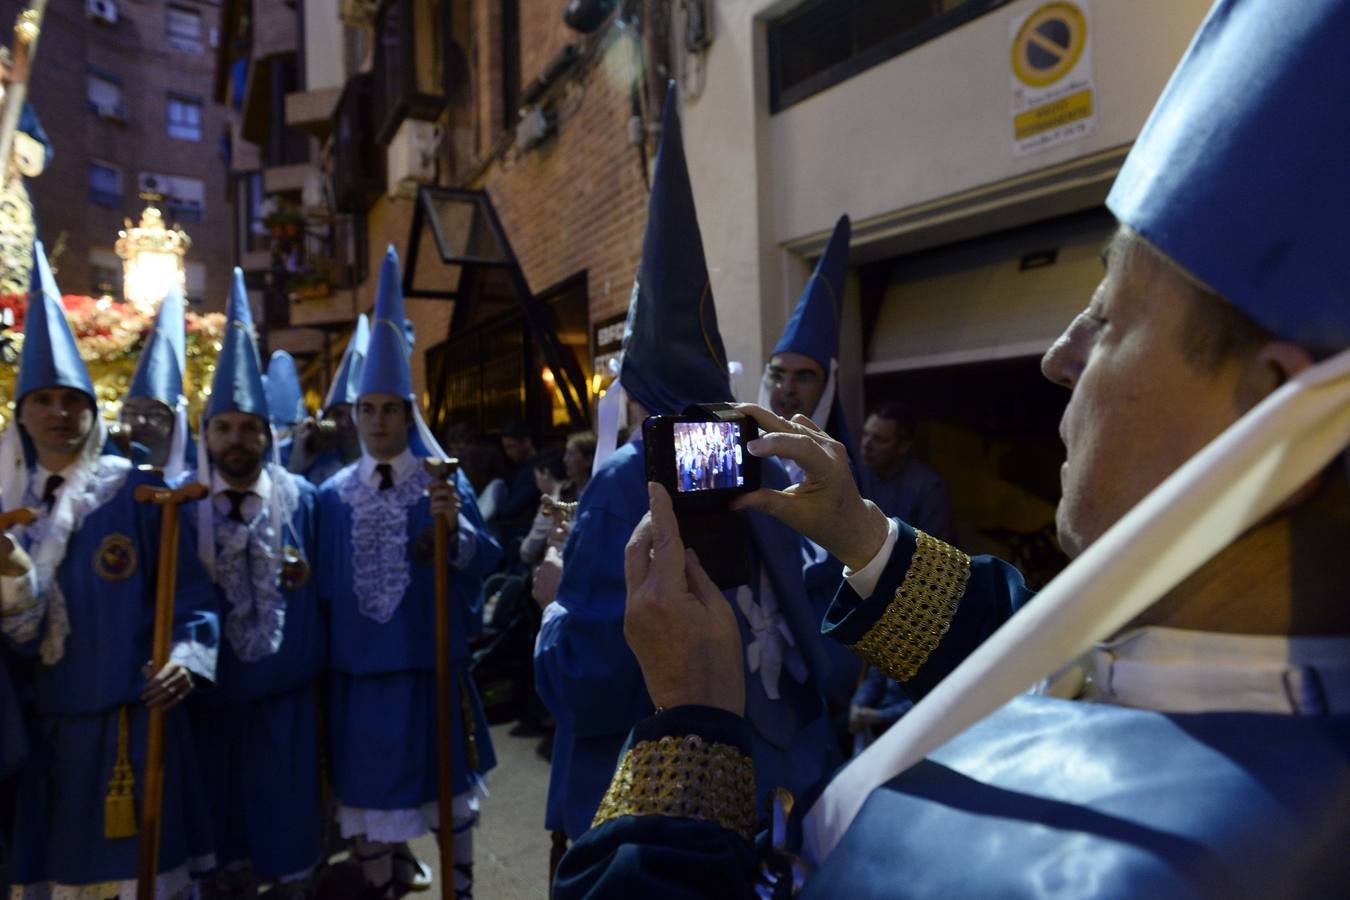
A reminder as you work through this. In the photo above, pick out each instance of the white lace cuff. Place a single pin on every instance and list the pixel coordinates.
(198, 658)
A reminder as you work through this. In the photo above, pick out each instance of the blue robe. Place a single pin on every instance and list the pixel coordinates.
(110, 599)
(258, 731)
(591, 682)
(382, 730)
(1046, 797)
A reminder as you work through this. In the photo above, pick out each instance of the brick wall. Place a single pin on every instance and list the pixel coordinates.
(578, 201)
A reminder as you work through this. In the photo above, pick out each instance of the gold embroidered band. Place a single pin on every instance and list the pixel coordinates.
(685, 777)
(916, 619)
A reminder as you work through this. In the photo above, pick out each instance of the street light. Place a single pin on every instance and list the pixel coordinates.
(152, 258)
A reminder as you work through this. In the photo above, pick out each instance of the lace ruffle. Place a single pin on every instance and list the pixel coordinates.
(248, 570)
(380, 540)
(40, 598)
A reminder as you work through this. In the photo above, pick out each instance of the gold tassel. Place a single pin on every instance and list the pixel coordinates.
(119, 806)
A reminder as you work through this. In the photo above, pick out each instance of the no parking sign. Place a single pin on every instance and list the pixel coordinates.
(1053, 99)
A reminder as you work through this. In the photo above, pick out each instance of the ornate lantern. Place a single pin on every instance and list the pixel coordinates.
(152, 258)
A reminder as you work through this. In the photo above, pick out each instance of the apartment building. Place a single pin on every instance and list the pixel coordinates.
(123, 90)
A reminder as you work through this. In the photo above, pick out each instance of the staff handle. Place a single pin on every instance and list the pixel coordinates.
(20, 516)
(152, 797)
(444, 470)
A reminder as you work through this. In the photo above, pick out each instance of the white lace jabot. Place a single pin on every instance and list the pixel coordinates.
(1173, 670)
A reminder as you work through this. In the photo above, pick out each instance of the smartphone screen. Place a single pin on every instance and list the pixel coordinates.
(707, 456)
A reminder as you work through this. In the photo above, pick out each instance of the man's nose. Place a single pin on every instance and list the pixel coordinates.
(1063, 362)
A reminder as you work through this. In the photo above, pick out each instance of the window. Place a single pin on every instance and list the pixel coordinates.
(248, 213)
(184, 198)
(822, 43)
(195, 292)
(185, 118)
(104, 93)
(105, 184)
(184, 29)
(105, 272)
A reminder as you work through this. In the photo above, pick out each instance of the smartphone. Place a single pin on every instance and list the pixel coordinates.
(700, 457)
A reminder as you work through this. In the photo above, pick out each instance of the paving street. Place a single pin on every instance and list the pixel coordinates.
(511, 846)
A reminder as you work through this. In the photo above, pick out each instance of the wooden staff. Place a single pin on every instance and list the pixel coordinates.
(443, 470)
(26, 33)
(152, 798)
(21, 516)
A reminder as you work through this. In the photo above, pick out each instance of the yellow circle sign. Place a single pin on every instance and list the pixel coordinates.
(1049, 44)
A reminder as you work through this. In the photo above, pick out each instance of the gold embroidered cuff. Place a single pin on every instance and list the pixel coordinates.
(685, 777)
(916, 619)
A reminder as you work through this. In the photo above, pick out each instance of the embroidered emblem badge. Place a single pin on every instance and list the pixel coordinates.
(424, 548)
(115, 558)
(294, 569)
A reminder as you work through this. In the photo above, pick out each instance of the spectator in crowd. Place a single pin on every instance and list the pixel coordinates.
(895, 479)
(511, 514)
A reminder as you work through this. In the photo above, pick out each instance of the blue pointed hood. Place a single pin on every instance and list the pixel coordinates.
(672, 351)
(813, 329)
(285, 397)
(347, 381)
(51, 357)
(1240, 174)
(159, 372)
(386, 369)
(238, 383)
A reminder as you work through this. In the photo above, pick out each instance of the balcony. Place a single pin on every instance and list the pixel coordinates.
(358, 162)
(408, 84)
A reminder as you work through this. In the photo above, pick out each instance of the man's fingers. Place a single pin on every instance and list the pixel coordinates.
(637, 555)
(806, 450)
(667, 548)
(808, 423)
(767, 421)
(765, 500)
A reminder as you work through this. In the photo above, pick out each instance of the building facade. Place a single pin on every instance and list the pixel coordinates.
(510, 130)
(123, 90)
(972, 142)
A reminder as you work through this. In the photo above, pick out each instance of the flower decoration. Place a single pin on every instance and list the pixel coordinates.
(110, 335)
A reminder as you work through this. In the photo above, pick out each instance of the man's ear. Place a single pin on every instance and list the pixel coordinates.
(1271, 366)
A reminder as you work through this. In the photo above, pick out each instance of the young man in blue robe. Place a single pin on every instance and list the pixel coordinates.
(155, 408)
(316, 456)
(286, 401)
(258, 535)
(585, 673)
(801, 378)
(84, 606)
(1216, 758)
(378, 579)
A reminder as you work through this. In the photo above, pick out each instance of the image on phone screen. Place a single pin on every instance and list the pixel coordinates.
(707, 456)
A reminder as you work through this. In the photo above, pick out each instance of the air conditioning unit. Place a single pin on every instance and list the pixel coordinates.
(104, 11)
(412, 157)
